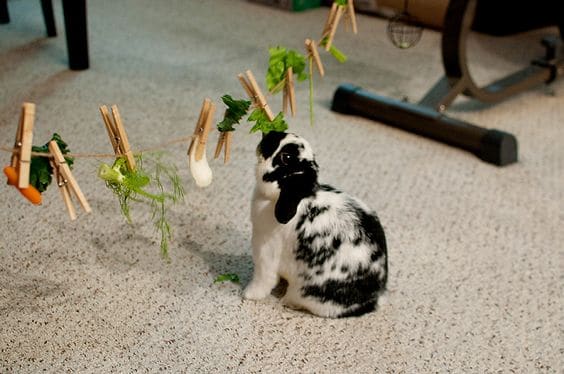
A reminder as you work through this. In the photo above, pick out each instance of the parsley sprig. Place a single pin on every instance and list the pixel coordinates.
(262, 123)
(280, 60)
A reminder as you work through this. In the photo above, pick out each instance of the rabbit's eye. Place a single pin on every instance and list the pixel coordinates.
(286, 158)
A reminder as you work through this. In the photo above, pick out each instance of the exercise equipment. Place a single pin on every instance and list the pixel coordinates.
(427, 118)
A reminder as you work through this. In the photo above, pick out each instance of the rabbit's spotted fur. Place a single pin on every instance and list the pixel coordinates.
(327, 245)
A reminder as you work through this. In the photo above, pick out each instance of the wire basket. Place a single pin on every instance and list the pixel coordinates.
(404, 31)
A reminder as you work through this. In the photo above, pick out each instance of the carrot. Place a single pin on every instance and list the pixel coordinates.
(29, 193)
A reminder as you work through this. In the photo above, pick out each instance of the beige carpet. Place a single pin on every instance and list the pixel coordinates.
(476, 251)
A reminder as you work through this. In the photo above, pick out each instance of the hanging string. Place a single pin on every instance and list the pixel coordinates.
(155, 148)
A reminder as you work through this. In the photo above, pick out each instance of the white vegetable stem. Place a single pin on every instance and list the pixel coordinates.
(199, 169)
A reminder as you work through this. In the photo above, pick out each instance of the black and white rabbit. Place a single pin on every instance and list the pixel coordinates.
(327, 245)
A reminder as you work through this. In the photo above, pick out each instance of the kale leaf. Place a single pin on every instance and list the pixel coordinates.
(40, 174)
(236, 109)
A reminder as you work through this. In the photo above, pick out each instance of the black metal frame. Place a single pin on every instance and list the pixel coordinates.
(427, 118)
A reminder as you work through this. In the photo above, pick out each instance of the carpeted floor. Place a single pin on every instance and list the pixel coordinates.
(475, 251)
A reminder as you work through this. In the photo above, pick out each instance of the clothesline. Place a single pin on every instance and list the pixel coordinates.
(155, 148)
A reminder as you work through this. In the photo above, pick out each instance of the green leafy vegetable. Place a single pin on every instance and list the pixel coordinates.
(280, 60)
(125, 184)
(339, 56)
(262, 123)
(231, 277)
(335, 52)
(130, 186)
(341, 2)
(40, 174)
(236, 109)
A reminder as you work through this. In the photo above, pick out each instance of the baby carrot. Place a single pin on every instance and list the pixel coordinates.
(29, 193)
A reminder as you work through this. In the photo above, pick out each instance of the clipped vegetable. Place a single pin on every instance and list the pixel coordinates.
(40, 174)
(30, 193)
(335, 52)
(236, 109)
(200, 169)
(339, 56)
(280, 60)
(262, 123)
(130, 186)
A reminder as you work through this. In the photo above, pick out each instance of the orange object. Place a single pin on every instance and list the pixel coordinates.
(29, 193)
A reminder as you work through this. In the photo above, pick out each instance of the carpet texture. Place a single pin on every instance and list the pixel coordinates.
(475, 251)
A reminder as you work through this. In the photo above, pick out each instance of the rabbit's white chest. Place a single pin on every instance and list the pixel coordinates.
(272, 241)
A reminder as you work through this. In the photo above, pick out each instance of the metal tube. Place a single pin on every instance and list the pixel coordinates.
(493, 146)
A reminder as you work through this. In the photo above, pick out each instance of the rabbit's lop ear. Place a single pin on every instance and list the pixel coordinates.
(295, 170)
(291, 193)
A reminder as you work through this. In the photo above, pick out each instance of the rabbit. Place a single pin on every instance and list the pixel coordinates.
(328, 246)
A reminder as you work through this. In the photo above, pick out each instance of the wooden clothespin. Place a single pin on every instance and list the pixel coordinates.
(202, 129)
(289, 92)
(255, 94)
(21, 156)
(331, 24)
(311, 48)
(117, 135)
(329, 20)
(224, 142)
(65, 180)
(351, 15)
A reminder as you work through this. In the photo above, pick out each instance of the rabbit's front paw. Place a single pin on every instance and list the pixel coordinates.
(255, 291)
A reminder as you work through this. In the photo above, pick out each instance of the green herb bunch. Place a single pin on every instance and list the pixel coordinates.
(131, 186)
(263, 124)
(280, 60)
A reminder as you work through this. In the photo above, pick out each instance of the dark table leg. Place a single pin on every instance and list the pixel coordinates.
(76, 30)
(4, 15)
(49, 17)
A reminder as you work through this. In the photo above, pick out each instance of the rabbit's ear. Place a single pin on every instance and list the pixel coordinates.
(286, 206)
(293, 189)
